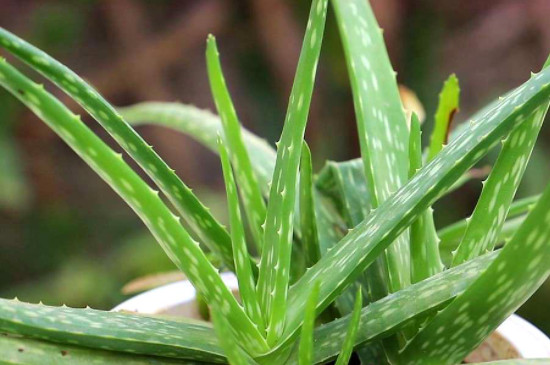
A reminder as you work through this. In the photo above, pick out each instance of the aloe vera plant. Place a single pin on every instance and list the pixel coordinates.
(358, 238)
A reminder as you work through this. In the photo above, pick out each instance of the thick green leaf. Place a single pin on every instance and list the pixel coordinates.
(509, 228)
(310, 238)
(250, 190)
(393, 312)
(353, 326)
(499, 189)
(382, 127)
(163, 224)
(341, 191)
(345, 183)
(306, 333)
(522, 206)
(339, 179)
(425, 260)
(187, 204)
(521, 267)
(382, 130)
(245, 276)
(362, 245)
(446, 109)
(234, 353)
(452, 234)
(25, 351)
(203, 126)
(111, 331)
(274, 272)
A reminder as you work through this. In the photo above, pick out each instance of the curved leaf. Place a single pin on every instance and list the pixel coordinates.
(249, 188)
(349, 341)
(362, 245)
(521, 267)
(110, 331)
(273, 278)
(425, 260)
(199, 218)
(26, 351)
(245, 276)
(446, 109)
(452, 234)
(381, 123)
(310, 238)
(305, 349)
(499, 189)
(393, 312)
(234, 353)
(346, 184)
(163, 224)
(203, 126)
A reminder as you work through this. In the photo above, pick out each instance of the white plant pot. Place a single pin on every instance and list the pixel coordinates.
(172, 299)
(514, 338)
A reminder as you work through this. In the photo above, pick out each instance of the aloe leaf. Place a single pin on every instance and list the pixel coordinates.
(331, 227)
(446, 109)
(110, 331)
(381, 123)
(334, 179)
(349, 341)
(163, 224)
(234, 353)
(191, 209)
(452, 234)
(21, 350)
(249, 188)
(415, 145)
(361, 246)
(509, 228)
(308, 223)
(521, 267)
(306, 335)
(203, 126)
(499, 189)
(393, 312)
(245, 276)
(425, 259)
(346, 184)
(455, 231)
(274, 271)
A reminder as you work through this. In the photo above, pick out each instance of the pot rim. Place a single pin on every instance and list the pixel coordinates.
(529, 341)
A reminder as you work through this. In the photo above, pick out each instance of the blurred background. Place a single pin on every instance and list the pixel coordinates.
(65, 237)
